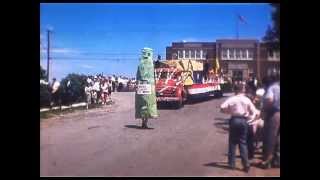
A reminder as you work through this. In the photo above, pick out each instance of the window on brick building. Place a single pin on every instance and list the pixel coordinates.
(197, 54)
(231, 53)
(180, 55)
(238, 53)
(204, 54)
(174, 56)
(250, 54)
(192, 54)
(243, 54)
(187, 54)
(224, 53)
(270, 53)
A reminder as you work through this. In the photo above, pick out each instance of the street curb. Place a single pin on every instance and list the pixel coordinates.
(64, 107)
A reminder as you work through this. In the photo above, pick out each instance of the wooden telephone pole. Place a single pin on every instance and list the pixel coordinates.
(48, 55)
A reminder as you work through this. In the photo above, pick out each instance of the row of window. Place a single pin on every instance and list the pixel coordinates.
(273, 71)
(237, 54)
(226, 54)
(273, 55)
(190, 54)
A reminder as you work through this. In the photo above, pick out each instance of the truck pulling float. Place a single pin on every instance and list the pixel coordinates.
(181, 80)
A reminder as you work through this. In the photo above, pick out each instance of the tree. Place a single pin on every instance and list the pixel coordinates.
(272, 37)
(43, 73)
(45, 95)
(75, 91)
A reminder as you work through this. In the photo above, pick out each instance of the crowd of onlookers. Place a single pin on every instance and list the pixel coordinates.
(255, 118)
(97, 89)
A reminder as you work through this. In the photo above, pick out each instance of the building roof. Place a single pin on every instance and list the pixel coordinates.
(237, 40)
(193, 44)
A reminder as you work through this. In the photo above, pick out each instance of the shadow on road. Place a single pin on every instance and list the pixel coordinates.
(200, 100)
(221, 119)
(222, 165)
(190, 101)
(166, 106)
(237, 156)
(137, 127)
(222, 123)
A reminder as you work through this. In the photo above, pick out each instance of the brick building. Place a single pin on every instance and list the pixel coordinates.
(237, 58)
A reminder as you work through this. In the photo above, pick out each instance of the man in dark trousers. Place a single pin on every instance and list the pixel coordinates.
(241, 110)
(271, 107)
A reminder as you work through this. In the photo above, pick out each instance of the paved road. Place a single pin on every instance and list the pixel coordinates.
(107, 141)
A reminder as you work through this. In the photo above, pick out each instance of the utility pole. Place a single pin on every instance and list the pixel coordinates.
(48, 54)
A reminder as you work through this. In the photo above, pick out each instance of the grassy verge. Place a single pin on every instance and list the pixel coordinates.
(55, 112)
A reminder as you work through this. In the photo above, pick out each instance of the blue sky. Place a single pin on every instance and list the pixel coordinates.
(107, 38)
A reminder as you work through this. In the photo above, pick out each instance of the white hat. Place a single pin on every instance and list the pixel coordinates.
(260, 92)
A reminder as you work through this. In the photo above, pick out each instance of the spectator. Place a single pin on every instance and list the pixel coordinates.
(89, 80)
(255, 125)
(88, 90)
(109, 88)
(271, 106)
(252, 85)
(55, 86)
(241, 109)
(116, 83)
(68, 93)
(113, 79)
(104, 87)
(96, 90)
(120, 84)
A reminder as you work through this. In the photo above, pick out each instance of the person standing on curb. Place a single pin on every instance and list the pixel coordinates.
(88, 92)
(56, 93)
(255, 125)
(271, 143)
(104, 88)
(241, 109)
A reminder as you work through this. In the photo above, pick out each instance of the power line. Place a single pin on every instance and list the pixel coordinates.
(87, 53)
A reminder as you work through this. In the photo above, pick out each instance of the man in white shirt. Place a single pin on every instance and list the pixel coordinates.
(55, 91)
(96, 90)
(55, 85)
(104, 88)
(241, 110)
(88, 90)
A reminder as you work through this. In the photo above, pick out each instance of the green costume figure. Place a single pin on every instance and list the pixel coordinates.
(145, 98)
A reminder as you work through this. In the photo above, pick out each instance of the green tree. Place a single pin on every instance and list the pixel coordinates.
(45, 95)
(272, 36)
(75, 91)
